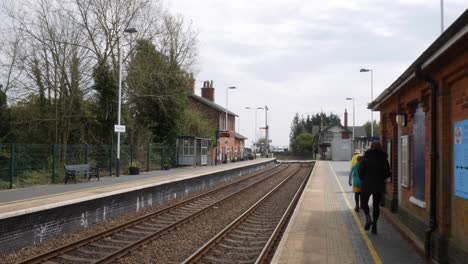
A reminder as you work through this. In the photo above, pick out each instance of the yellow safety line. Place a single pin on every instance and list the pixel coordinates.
(370, 246)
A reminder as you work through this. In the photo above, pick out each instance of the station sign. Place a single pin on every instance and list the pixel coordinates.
(224, 134)
(119, 128)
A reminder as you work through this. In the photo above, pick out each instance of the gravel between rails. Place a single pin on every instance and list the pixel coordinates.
(63, 239)
(177, 245)
(245, 242)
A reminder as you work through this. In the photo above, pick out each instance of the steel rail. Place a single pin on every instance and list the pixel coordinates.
(265, 254)
(92, 238)
(129, 248)
(212, 242)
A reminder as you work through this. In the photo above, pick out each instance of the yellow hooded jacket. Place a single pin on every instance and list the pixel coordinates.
(354, 160)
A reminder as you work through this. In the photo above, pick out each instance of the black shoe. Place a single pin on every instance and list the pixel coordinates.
(374, 229)
(356, 209)
(368, 223)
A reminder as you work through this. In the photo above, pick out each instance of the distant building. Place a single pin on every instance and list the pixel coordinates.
(230, 144)
(361, 139)
(334, 143)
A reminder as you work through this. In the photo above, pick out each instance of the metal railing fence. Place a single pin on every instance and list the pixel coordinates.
(23, 165)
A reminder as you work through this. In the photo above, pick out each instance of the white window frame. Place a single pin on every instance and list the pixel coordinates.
(403, 160)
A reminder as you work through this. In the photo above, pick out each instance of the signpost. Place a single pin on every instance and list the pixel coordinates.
(119, 128)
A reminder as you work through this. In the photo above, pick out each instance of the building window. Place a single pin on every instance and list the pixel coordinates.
(404, 171)
(389, 158)
(419, 154)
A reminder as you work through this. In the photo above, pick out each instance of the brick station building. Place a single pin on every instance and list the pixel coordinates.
(230, 145)
(421, 113)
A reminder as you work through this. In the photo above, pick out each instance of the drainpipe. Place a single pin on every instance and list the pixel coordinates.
(432, 213)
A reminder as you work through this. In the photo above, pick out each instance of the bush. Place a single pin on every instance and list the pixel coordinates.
(4, 184)
(32, 177)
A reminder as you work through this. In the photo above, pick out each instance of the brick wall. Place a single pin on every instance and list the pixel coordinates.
(451, 73)
(208, 112)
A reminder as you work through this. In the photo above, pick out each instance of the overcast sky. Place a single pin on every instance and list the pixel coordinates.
(304, 55)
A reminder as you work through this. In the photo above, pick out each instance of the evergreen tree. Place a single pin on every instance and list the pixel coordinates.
(6, 130)
(368, 128)
(305, 125)
(157, 93)
(106, 87)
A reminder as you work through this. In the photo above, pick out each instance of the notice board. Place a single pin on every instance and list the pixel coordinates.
(460, 165)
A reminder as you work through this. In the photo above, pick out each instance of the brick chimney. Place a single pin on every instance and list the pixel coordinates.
(191, 84)
(345, 118)
(207, 91)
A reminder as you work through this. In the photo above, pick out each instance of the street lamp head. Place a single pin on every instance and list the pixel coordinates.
(364, 70)
(349, 98)
(260, 108)
(232, 87)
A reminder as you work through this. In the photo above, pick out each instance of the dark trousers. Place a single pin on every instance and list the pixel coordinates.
(376, 197)
(356, 198)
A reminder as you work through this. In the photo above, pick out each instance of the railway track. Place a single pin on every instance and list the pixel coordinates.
(112, 244)
(252, 236)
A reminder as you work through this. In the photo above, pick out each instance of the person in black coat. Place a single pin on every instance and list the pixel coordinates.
(373, 171)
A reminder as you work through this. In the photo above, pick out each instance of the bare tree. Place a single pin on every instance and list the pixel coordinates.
(102, 22)
(178, 41)
(51, 47)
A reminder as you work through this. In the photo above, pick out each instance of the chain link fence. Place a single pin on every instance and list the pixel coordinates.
(23, 165)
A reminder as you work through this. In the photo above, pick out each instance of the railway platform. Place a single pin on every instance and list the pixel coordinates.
(325, 228)
(31, 215)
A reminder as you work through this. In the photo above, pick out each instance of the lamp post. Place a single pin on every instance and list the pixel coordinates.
(255, 128)
(227, 93)
(372, 97)
(441, 16)
(122, 31)
(226, 121)
(267, 144)
(352, 99)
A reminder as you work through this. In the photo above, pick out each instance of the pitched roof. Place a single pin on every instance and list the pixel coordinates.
(316, 129)
(359, 131)
(239, 136)
(335, 124)
(211, 104)
(453, 34)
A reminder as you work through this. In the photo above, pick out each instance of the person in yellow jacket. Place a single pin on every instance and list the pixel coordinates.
(356, 154)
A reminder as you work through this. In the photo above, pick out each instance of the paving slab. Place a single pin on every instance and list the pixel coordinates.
(325, 229)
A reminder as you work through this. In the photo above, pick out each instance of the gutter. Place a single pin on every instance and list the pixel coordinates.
(433, 201)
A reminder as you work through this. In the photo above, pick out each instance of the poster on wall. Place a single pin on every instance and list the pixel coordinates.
(460, 149)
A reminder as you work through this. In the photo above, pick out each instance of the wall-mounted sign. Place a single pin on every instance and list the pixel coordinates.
(460, 166)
